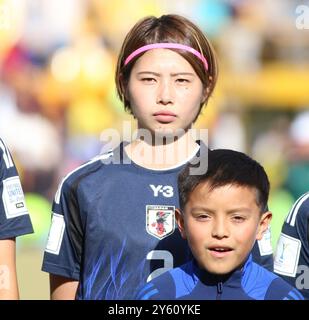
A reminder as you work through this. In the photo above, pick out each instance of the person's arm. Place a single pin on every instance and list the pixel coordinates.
(62, 288)
(64, 248)
(8, 276)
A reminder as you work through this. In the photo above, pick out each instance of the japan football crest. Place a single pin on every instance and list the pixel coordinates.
(160, 220)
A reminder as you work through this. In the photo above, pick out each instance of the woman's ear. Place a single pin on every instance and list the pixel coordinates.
(180, 223)
(205, 95)
(263, 224)
(123, 86)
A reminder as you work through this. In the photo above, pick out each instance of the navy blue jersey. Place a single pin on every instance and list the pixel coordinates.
(292, 254)
(113, 227)
(14, 217)
(189, 282)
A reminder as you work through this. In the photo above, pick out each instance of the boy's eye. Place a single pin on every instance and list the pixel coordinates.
(203, 217)
(238, 218)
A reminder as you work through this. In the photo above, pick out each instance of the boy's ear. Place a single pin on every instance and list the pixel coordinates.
(263, 224)
(180, 223)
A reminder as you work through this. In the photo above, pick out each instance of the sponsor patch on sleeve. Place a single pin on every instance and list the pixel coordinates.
(264, 244)
(13, 198)
(287, 255)
(55, 234)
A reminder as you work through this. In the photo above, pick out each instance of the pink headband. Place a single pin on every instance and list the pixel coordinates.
(166, 45)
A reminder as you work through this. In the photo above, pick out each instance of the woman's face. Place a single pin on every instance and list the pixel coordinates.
(164, 91)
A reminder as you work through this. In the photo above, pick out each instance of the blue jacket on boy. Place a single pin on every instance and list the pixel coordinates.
(189, 282)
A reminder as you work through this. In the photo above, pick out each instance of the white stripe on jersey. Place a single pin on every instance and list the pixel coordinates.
(288, 218)
(99, 157)
(6, 155)
(298, 204)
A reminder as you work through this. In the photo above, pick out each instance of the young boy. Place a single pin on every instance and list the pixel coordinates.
(14, 221)
(223, 212)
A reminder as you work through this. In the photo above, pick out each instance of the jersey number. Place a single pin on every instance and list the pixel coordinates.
(168, 262)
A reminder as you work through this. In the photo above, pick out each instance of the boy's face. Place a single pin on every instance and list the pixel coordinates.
(164, 91)
(222, 225)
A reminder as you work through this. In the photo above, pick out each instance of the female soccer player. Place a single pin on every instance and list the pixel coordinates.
(113, 225)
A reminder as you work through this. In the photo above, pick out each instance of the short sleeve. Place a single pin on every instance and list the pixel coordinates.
(63, 250)
(292, 253)
(14, 216)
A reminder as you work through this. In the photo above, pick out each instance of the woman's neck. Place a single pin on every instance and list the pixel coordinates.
(163, 153)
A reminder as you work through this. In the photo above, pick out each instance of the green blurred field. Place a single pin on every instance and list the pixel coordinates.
(33, 283)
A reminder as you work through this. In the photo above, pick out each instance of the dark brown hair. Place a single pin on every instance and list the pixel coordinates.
(167, 28)
(226, 167)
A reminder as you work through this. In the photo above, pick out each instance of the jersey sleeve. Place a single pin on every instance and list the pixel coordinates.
(148, 292)
(293, 294)
(14, 217)
(63, 250)
(162, 287)
(292, 253)
(282, 290)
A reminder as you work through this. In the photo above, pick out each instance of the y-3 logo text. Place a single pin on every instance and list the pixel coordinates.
(166, 191)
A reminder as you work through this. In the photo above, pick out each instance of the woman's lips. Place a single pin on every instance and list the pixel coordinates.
(164, 116)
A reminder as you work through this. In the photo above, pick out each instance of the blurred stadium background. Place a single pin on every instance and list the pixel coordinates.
(57, 94)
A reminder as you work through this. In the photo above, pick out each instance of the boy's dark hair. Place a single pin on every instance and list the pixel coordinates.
(226, 167)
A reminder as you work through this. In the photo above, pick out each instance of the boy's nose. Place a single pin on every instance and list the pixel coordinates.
(220, 229)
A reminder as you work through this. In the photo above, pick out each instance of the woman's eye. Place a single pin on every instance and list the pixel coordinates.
(181, 80)
(148, 80)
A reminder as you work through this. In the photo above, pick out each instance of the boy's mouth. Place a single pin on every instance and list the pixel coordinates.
(219, 251)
